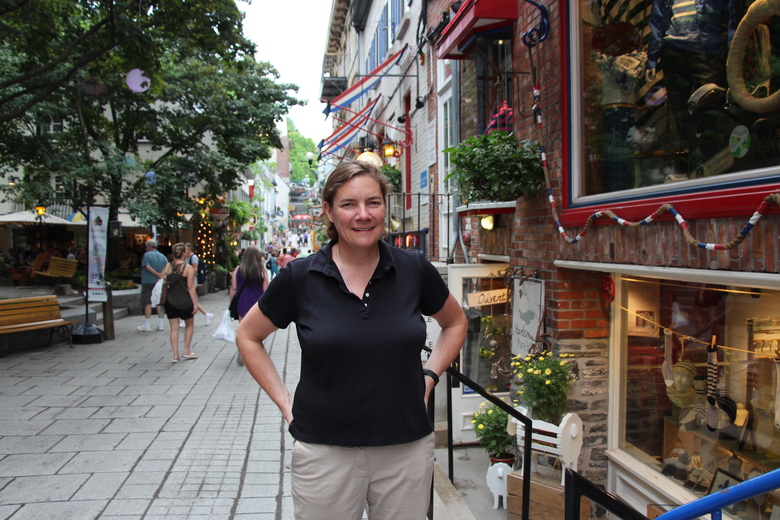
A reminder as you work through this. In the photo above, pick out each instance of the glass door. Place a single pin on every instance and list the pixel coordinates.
(481, 289)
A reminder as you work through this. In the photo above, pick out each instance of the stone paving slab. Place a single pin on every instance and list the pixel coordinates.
(116, 431)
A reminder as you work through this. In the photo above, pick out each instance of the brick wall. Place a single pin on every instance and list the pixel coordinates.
(576, 315)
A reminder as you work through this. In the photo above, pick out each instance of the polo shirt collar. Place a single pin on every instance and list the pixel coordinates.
(323, 262)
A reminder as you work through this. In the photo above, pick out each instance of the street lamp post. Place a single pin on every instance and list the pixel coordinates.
(40, 210)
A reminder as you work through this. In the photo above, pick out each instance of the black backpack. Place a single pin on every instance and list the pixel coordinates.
(202, 272)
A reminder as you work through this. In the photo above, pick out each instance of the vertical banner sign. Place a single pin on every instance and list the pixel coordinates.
(96, 257)
(527, 306)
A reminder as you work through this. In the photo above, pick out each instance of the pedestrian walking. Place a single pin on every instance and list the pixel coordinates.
(273, 262)
(358, 306)
(152, 266)
(181, 302)
(249, 280)
(193, 260)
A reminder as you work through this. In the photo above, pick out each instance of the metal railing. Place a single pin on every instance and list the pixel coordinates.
(577, 486)
(527, 422)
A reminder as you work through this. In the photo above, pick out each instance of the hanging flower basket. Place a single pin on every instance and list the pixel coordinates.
(496, 167)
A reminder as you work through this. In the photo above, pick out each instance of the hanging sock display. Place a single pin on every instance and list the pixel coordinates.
(666, 368)
(712, 387)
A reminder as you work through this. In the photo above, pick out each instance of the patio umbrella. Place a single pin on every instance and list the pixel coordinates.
(30, 217)
(77, 216)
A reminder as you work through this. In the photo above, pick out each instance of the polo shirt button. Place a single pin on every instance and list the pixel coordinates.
(365, 305)
(367, 295)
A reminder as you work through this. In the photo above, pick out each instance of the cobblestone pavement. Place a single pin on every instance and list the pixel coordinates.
(116, 431)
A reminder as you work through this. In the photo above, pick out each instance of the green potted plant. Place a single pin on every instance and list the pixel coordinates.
(490, 425)
(543, 379)
(394, 174)
(496, 167)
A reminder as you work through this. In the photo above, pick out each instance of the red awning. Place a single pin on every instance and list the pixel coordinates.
(475, 16)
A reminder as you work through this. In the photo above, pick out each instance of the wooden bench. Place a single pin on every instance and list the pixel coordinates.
(26, 273)
(60, 268)
(34, 313)
(562, 441)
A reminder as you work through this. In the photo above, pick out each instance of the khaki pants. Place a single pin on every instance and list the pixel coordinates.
(339, 483)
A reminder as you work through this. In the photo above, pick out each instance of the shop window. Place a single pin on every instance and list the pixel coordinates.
(700, 379)
(486, 81)
(651, 101)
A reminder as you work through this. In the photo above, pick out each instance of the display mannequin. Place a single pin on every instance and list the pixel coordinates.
(688, 44)
(682, 392)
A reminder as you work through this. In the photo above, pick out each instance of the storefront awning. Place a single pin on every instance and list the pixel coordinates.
(474, 16)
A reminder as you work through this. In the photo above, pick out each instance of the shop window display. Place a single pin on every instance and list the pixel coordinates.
(702, 379)
(487, 85)
(656, 103)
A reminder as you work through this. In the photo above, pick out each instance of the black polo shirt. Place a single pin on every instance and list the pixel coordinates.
(361, 378)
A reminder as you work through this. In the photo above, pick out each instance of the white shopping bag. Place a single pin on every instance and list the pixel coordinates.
(157, 292)
(226, 332)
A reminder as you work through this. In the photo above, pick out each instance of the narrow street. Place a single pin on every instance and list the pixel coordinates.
(115, 430)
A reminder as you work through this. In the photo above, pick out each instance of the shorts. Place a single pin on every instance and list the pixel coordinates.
(172, 312)
(146, 293)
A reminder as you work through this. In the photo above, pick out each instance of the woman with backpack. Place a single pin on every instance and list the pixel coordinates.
(200, 271)
(181, 300)
(249, 280)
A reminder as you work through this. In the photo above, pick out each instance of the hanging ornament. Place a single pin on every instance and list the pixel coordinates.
(137, 81)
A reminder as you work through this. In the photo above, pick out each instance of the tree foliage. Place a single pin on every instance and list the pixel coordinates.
(299, 147)
(210, 110)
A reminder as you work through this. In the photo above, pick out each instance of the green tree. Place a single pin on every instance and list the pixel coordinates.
(46, 45)
(211, 109)
(299, 147)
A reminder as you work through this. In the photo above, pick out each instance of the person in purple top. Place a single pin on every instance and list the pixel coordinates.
(249, 280)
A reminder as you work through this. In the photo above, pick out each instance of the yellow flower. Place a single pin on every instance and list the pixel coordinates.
(530, 370)
(547, 382)
(564, 362)
(547, 372)
(521, 392)
(481, 426)
(473, 421)
(490, 411)
(538, 372)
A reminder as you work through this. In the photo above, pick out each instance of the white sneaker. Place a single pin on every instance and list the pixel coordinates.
(181, 324)
(208, 317)
(144, 328)
(160, 326)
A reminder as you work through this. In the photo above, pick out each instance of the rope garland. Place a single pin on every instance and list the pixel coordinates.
(772, 198)
(685, 337)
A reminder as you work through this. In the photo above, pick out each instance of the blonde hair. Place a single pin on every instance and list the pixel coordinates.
(344, 173)
(178, 251)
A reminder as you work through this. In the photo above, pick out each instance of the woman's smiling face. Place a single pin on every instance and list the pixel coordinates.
(358, 212)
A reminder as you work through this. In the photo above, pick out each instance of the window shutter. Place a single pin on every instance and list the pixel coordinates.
(383, 32)
(395, 17)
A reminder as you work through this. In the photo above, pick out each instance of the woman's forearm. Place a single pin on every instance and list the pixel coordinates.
(262, 368)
